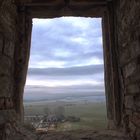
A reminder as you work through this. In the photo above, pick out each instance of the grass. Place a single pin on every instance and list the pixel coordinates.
(92, 115)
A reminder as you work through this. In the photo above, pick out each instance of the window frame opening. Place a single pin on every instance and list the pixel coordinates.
(105, 11)
(85, 63)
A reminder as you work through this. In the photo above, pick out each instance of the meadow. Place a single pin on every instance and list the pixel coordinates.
(92, 114)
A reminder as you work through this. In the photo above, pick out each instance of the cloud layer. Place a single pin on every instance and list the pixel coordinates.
(66, 52)
(68, 71)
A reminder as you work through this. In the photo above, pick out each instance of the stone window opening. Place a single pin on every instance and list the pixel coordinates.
(89, 42)
(121, 57)
(29, 10)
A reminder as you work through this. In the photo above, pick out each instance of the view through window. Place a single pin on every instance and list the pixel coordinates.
(65, 82)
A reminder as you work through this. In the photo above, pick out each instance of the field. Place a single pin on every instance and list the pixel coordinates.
(92, 115)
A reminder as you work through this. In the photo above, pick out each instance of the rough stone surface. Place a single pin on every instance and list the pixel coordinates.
(122, 61)
(9, 48)
(1, 43)
(84, 135)
(128, 26)
(6, 65)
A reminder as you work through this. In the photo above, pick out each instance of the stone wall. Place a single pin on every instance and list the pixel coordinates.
(15, 37)
(7, 46)
(8, 37)
(127, 18)
(13, 68)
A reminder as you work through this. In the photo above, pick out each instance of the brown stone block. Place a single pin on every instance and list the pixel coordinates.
(134, 78)
(132, 67)
(136, 119)
(2, 104)
(124, 56)
(7, 116)
(133, 89)
(5, 86)
(138, 133)
(8, 103)
(132, 128)
(129, 102)
(5, 66)
(9, 48)
(1, 42)
(137, 101)
(135, 49)
(129, 69)
(129, 112)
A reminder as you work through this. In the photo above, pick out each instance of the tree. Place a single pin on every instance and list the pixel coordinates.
(46, 111)
(59, 112)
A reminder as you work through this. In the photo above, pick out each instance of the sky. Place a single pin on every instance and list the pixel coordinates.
(66, 56)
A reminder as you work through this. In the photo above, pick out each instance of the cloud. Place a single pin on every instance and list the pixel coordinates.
(66, 57)
(62, 89)
(71, 71)
(66, 40)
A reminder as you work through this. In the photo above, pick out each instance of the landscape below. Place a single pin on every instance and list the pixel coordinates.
(67, 114)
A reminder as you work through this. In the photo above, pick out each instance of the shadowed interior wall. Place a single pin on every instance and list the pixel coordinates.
(127, 28)
(8, 40)
(14, 53)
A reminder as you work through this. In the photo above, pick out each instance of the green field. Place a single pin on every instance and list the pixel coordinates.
(92, 115)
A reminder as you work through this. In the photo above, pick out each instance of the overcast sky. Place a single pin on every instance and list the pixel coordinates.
(66, 52)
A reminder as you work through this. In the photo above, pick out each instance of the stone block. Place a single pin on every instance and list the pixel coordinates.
(7, 115)
(129, 102)
(9, 48)
(137, 101)
(129, 112)
(133, 89)
(124, 56)
(136, 119)
(5, 86)
(132, 128)
(5, 65)
(135, 49)
(138, 133)
(6, 103)
(134, 78)
(129, 69)
(1, 43)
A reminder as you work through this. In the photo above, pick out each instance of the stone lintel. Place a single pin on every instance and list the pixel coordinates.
(56, 2)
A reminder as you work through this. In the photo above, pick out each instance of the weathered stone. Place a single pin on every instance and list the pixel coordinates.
(136, 119)
(133, 79)
(138, 134)
(125, 52)
(135, 49)
(129, 112)
(124, 56)
(128, 30)
(132, 89)
(132, 128)
(1, 43)
(129, 102)
(5, 86)
(9, 48)
(7, 116)
(2, 104)
(129, 69)
(137, 101)
(5, 66)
